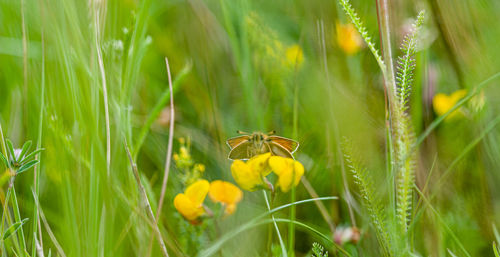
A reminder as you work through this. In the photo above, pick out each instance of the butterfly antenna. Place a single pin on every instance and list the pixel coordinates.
(241, 132)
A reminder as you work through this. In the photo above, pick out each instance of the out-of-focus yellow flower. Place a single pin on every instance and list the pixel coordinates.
(288, 170)
(190, 203)
(225, 193)
(443, 103)
(199, 167)
(184, 153)
(294, 56)
(348, 38)
(249, 175)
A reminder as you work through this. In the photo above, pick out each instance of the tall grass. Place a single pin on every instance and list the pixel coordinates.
(80, 78)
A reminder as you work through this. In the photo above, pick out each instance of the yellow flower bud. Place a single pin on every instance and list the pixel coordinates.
(199, 167)
(288, 170)
(184, 152)
(225, 193)
(190, 203)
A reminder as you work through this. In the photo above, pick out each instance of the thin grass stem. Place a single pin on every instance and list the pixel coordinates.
(145, 201)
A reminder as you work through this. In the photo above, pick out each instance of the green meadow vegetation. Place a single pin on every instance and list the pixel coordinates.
(121, 120)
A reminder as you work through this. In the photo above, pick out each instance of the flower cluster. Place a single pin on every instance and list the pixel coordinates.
(190, 171)
(190, 203)
(251, 175)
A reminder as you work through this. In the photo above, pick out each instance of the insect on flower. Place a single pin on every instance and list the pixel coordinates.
(248, 145)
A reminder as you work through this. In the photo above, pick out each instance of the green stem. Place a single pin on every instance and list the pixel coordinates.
(282, 244)
(17, 216)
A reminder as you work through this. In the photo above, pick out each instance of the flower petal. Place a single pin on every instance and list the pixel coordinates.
(288, 170)
(260, 164)
(197, 191)
(244, 176)
(187, 208)
(224, 192)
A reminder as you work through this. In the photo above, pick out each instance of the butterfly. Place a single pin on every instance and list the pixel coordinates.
(248, 145)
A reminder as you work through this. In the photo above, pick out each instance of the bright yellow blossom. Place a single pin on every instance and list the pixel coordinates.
(443, 103)
(226, 193)
(294, 56)
(249, 175)
(288, 170)
(348, 38)
(190, 203)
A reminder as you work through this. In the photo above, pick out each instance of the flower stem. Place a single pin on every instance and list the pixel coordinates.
(282, 244)
(17, 216)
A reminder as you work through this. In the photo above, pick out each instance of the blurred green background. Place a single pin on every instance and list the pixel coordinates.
(228, 60)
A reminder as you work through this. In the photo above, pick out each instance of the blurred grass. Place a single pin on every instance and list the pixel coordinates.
(239, 81)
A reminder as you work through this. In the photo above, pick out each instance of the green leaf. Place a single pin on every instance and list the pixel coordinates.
(31, 155)
(11, 150)
(4, 160)
(27, 166)
(12, 229)
(495, 250)
(26, 148)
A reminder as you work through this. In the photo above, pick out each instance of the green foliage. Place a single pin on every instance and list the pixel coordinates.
(229, 72)
(318, 250)
(12, 229)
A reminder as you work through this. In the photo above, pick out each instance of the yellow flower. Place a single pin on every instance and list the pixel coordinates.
(190, 204)
(443, 103)
(225, 193)
(348, 38)
(288, 170)
(249, 175)
(294, 56)
(199, 167)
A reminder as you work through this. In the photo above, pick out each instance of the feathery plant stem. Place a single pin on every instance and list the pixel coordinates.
(370, 200)
(403, 131)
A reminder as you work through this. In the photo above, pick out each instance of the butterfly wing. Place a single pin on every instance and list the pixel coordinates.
(279, 150)
(289, 144)
(241, 151)
(235, 141)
